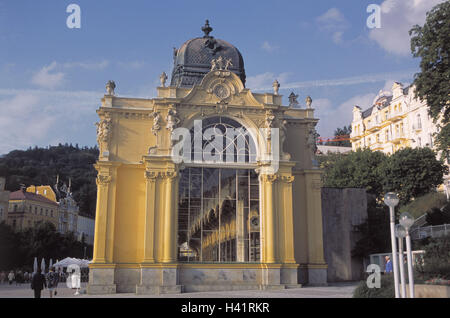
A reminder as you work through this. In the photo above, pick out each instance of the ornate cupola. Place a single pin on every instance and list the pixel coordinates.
(192, 61)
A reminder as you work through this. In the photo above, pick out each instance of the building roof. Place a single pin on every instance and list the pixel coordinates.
(192, 61)
(24, 195)
(382, 100)
(321, 149)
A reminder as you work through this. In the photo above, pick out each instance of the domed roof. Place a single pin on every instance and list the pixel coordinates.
(192, 61)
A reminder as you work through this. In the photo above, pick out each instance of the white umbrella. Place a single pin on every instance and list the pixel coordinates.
(35, 266)
(51, 263)
(43, 266)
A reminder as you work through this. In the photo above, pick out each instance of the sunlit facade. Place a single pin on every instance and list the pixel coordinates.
(238, 206)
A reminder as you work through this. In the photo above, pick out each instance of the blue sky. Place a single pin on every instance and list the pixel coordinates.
(52, 78)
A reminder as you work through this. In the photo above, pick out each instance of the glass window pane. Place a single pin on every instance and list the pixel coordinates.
(214, 225)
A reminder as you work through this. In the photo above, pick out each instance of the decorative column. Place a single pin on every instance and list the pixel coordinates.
(104, 225)
(149, 230)
(270, 254)
(170, 230)
(102, 269)
(287, 225)
(317, 268)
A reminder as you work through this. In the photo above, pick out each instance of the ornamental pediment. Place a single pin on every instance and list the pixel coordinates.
(221, 86)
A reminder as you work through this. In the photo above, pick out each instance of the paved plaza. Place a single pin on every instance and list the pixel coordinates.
(340, 290)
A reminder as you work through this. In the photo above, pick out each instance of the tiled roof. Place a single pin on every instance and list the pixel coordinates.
(21, 195)
(369, 111)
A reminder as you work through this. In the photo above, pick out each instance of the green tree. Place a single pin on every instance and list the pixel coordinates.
(437, 216)
(411, 173)
(341, 132)
(40, 166)
(431, 43)
(354, 170)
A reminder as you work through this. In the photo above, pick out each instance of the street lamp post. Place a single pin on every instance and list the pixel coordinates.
(406, 220)
(391, 200)
(400, 232)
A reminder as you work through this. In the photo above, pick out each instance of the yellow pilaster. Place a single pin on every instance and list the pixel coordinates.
(270, 254)
(286, 228)
(149, 231)
(314, 216)
(169, 231)
(105, 212)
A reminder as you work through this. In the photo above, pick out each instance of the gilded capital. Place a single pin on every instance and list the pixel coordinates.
(287, 179)
(151, 175)
(103, 180)
(268, 178)
(170, 175)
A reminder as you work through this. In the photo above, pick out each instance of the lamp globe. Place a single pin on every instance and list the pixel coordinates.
(406, 220)
(391, 199)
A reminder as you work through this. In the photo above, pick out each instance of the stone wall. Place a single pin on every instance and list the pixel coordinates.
(342, 210)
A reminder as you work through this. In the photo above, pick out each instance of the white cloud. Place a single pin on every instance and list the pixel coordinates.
(264, 81)
(40, 117)
(87, 65)
(397, 18)
(333, 22)
(45, 79)
(331, 117)
(134, 65)
(266, 46)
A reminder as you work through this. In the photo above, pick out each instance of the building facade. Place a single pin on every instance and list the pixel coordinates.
(86, 228)
(26, 209)
(67, 207)
(396, 120)
(4, 200)
(208, 186)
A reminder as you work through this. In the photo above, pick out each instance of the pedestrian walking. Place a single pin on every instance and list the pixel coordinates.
(25, 277)
(52, 281)
(11, 277)
(2, 277)
(388, 266)
(38, 283)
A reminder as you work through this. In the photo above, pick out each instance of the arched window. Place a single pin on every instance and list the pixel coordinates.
(221, 139)
(218, 211)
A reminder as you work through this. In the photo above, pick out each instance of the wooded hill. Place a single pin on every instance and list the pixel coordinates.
(40, 166)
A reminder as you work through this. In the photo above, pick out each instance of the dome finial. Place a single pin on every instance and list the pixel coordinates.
(207, 29)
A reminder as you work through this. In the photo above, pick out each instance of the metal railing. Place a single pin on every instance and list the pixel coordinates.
(430, 231)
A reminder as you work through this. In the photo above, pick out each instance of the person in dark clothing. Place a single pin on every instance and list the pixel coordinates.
(38, 283)
(52, 281)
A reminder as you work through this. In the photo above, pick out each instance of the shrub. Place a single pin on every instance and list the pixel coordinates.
(385, 291)
(436, 262)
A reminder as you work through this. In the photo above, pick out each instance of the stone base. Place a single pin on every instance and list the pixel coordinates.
(101, 289)
(155, 279)
(317, 277)
(101, 281)
(312, 275)
(429, 291)
(294, 286)
(158, 290)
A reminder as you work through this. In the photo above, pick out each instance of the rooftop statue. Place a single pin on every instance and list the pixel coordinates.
(276, 87)
(293, 100)
(163, 78)
(308, 101)
(110, 87)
